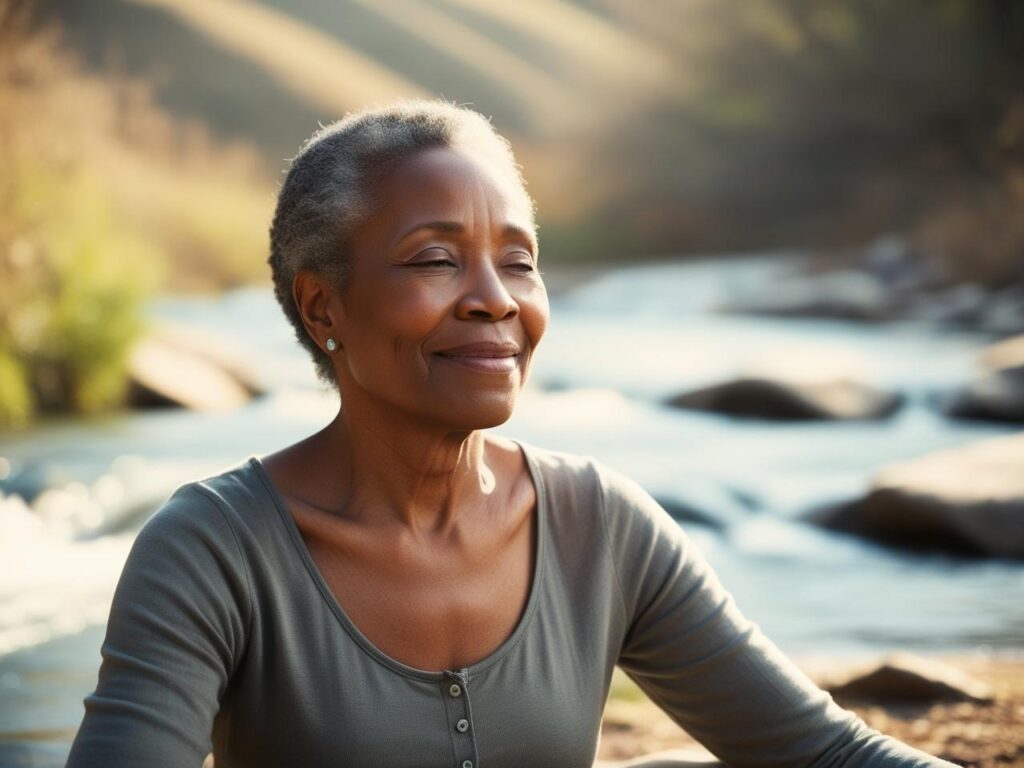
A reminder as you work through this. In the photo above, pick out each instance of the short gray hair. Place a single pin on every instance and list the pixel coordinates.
(330, 188)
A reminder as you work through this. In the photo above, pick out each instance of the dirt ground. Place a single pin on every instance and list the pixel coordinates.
(977, 735)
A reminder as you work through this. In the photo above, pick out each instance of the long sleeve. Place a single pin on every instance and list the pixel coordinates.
(712, 670)
(178, 624)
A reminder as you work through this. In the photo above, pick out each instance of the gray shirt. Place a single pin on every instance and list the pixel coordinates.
(224, 636)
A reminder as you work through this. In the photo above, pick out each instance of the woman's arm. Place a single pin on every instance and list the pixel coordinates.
(177, 627)
(713, 671)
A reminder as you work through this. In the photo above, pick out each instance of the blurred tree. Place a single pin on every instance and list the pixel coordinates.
(102, 190)
(72, 278)
(831, 121)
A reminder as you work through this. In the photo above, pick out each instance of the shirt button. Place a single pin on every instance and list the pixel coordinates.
(455, 690)
(462, 726)
(467, 764)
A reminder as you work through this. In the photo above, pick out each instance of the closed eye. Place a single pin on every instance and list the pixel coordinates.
(441, 258)
(524, 265)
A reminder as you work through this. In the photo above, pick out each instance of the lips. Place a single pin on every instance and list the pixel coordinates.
(483, 349)
(491, 357)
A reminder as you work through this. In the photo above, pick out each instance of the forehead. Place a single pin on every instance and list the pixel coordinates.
(449, 184)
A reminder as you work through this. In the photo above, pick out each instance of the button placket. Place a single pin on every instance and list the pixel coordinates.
(455, 692)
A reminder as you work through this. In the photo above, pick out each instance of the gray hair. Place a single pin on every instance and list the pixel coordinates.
(331, 186)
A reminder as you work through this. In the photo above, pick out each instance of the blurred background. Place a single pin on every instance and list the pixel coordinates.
(784, 243)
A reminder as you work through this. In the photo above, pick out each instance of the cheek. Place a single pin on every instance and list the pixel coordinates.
(535, 314)
(394, 326)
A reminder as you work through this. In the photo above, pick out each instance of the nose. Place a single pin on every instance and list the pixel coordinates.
(486, 297)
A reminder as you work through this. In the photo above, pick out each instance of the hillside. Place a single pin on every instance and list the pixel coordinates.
(269, 72)
(643, 128)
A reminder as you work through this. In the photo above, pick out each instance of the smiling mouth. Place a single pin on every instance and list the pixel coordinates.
(481, 363)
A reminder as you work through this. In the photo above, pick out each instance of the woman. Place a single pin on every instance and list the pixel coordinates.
(400, 588)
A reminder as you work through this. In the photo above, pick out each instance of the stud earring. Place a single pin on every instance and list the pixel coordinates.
(331, 345)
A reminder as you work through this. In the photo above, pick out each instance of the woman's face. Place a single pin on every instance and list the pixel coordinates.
(443, 305)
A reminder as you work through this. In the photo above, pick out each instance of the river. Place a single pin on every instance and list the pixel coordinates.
(615, 349)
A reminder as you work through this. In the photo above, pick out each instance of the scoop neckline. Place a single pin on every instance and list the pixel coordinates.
(540, 513)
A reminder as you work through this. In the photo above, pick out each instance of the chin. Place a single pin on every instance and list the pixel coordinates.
(487, 421)
(496, 422)
(471, 416)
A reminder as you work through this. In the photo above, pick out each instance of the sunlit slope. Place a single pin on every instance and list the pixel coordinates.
(580, 42)
(536, 91)
(427, 54)
(267, 71)
(318, 68)
(555, 76)
(193, 77)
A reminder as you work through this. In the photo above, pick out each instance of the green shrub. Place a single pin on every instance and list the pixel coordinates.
(73, 274)
(75, 291)
(15, 397)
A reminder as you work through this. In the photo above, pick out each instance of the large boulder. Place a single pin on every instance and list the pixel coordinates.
(1008, 353)
(189, 367)
(903, 678)
(968, 499)
(778, 399)
(994, 396)
(215, 350)
(163, 375)
(998, 391)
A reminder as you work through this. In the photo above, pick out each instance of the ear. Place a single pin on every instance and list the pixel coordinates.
(319, 307)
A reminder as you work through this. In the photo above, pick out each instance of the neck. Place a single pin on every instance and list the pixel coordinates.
(415, 474)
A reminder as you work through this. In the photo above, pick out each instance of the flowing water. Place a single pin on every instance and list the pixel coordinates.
(616, 348)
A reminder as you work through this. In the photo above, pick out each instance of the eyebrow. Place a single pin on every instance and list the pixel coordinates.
(510, 230)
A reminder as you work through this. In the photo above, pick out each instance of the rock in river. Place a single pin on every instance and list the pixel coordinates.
(191, 367)
(997, 393)
(165, 375)
(778, 399)
(1008, 353)
(968, 499)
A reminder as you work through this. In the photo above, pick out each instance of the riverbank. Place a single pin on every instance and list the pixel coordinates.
(980, 735)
